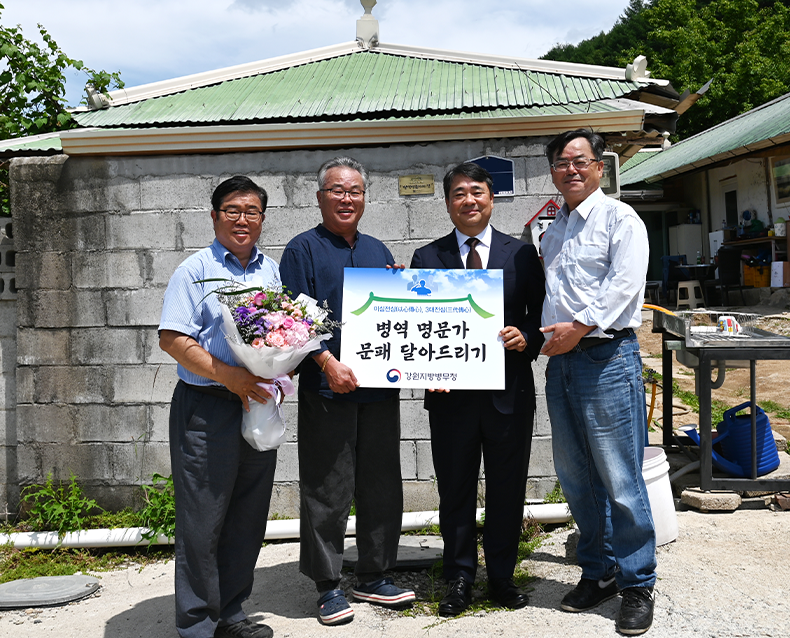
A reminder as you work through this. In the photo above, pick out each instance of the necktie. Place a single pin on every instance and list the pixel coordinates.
(473, 260)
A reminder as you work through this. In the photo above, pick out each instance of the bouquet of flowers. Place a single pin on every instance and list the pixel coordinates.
(269, 334)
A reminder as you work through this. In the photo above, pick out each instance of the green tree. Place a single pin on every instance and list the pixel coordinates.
(33, 89)
(742, 45)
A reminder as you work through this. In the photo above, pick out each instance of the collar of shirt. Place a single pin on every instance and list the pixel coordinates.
(483, 248)
(224, 254)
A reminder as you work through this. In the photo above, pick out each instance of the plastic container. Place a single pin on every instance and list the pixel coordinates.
(655, 471)
(735, 437)
(780, 228)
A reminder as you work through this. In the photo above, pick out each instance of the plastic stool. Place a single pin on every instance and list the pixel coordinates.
(690, 292)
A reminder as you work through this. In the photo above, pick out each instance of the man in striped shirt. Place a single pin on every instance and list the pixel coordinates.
(222, 485)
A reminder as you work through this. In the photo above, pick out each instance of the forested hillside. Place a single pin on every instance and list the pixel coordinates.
(742, 45)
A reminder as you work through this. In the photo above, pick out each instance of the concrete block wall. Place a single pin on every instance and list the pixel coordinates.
(96, 241)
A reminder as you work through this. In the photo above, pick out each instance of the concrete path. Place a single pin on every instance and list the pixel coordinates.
(726, 575)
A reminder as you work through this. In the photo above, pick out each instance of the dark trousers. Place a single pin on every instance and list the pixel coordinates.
(348, 451)
(466, 425)
(222, 490)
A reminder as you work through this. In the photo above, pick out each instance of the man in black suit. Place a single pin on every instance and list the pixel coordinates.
(496, 422)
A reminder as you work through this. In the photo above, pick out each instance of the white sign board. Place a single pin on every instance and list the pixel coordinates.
(424, 328)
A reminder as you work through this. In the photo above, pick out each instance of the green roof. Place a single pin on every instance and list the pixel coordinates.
(762, 127)
(35, 144)
(364, 85)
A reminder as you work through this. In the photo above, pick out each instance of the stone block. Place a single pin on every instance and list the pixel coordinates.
(117, 424)
(87, 461)
(28, 465)
(90, 188)
(285, 500)
(287, 463)
(159, 423)
(8, 319)
(7, 356)
(290, 416)
(529, 149)
(301, 189)
(152, 352)
(141, 384)
(157, 231)
(175, 191)
(69, 384)
(106, 346)
(283, 224)
(408, 460)
(425, 470)
(109, 269)
(420, 496)
(274, 185)
(541, 458)
(413, 421)
(37, 170)
(25, 386)
(127, 462)
(542, 426)
(46, 270)
(387, 221)
(164, 264)
(538, 175)
(141, 307)
(48, 423)
(196, 229)
(42, 347)
(715, 501)
(154, 458)
(64, 309)
(8, 390)
(540, 487)
(8, 430)
(428, 220)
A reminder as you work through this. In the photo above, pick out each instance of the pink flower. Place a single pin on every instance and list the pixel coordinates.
(258, 343)
(259, 298)
(287, 322)
(276, 339)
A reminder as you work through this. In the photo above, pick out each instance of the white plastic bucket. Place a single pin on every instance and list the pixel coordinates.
(655, 471)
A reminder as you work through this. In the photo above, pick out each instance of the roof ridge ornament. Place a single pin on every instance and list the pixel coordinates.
(368, 26)
(637, 70)
(95, 99)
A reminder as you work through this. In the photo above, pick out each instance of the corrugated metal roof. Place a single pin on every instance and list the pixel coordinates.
(366, 85)
(35, 143)
(762, 127)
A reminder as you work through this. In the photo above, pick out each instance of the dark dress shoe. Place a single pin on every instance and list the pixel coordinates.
(504, 592)
(457, 598)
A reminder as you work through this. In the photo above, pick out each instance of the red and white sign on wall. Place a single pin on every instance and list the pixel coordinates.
(540, 221)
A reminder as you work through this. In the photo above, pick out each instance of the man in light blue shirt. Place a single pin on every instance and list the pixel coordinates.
(222, 485)
(596, 253)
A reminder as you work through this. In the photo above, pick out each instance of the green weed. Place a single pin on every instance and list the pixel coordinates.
(61, 508)
(159, 512)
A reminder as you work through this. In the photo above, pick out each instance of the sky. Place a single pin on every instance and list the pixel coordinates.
(152, 40)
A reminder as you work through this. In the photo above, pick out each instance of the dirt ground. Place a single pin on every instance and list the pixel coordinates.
(772, 377)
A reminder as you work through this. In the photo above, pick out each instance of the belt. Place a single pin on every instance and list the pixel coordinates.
(215, 391)
(591, 342)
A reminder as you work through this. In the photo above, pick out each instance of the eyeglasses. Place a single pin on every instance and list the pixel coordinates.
(253, 215)
(580, 163)
(340, 193)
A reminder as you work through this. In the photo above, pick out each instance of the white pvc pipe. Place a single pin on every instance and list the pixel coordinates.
(275, 530)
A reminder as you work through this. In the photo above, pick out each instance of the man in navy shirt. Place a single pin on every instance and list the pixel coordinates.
(349, 437)
(222, 485)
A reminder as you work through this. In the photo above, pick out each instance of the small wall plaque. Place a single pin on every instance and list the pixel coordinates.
(415, 185)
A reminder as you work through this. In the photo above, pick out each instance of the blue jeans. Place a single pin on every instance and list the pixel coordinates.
(596, 403)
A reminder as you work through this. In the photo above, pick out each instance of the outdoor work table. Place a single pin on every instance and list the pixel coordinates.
(705, 352)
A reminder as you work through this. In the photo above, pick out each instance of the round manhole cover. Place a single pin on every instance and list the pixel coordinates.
(46, 590)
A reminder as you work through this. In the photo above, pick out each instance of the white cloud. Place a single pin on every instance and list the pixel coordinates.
(151, 40)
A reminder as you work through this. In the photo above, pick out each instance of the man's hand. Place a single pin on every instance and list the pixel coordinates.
(242, 382)
(438, 390)
(340, 377)
(513, 339)
(396, 267)
(565, 338)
